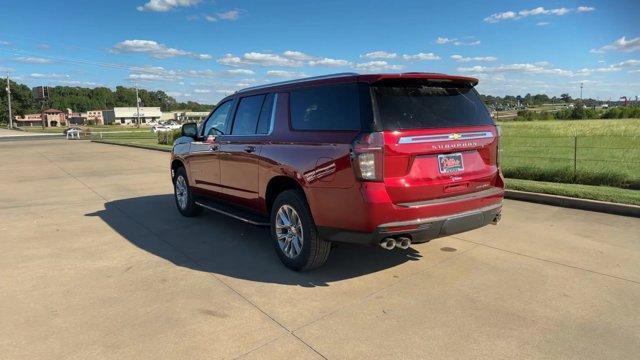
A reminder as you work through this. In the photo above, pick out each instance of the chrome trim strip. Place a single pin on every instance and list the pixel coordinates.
(445, 137)
(474, 195)
(232, 215)
(296, 81)
(439, 218)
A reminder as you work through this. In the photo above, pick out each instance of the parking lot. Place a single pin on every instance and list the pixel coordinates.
(97, 263)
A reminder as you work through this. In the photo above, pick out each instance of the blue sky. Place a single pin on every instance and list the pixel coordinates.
(202, 50)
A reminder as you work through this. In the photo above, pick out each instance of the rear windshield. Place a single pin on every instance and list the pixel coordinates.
(428, 105)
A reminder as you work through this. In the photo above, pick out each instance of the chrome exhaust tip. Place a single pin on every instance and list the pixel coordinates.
(403, 243)
(496, 219)
(388, 243)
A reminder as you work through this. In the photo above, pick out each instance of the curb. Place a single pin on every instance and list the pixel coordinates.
(131, 145)
(574, 203)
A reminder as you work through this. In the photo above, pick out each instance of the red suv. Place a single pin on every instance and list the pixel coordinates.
(383, 159)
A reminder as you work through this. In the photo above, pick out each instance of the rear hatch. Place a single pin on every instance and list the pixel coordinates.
(439, 139)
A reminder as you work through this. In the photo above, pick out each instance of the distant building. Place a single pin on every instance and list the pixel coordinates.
(95, 117)
(50, 117)
(29, 120)
(129, 115)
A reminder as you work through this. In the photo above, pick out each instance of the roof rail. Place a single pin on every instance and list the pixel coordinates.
(296, 81)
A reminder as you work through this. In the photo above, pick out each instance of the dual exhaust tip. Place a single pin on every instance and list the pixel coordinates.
(390, 243)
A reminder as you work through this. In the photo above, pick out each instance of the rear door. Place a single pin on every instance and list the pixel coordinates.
(240, 150)
(439, 139)
(203, 160)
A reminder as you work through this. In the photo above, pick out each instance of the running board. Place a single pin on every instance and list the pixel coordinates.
(230, 211)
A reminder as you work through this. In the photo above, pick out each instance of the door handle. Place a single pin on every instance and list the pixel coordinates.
(249, 149)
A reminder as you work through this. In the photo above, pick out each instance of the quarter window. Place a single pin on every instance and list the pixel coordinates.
(326, 108)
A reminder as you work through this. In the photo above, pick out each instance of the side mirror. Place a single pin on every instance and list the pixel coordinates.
(190, 130)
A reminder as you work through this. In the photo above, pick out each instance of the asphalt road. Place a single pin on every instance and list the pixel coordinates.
(97, 264)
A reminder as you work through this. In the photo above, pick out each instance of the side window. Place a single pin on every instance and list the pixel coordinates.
(264, 122)
(218, 119)
(333, 107)
(247, 115)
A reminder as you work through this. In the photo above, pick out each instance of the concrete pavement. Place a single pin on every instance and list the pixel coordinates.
(97, 263)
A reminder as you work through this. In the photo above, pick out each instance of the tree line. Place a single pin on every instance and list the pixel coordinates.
(81, 99)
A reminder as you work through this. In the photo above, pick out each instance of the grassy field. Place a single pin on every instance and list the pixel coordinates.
(606, 152)
(601, 193)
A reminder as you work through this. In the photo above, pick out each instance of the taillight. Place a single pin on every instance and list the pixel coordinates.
(368, 156)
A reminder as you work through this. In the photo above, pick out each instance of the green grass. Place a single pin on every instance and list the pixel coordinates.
(601, 193)
(146, 138)
(608, 151)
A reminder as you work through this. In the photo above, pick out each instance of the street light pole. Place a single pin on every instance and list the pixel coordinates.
(9, 102)
(581, 84)
(138, 108)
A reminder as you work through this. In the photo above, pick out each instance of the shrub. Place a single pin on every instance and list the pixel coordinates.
(168, 137)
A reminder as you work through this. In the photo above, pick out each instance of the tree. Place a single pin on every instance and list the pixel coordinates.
(565, 97)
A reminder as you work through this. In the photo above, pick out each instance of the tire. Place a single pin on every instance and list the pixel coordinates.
(313, 251)
(188, 207)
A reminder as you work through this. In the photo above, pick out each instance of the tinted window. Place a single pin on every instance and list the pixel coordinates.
(247, 115)
(429, 105)
(218, 119)
(325, 108)
(264, 122)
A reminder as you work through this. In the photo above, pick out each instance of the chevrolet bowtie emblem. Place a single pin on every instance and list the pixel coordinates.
(455, 136)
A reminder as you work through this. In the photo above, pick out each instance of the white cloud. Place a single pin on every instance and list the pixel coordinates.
(4, 43)
(230, 60)
(154, 49)
(48, 76)
(329, 62)
(512, 15)
(621, 44)
(543, 23)
(268, 59)
(457, 42)
(544, 68)
(201, 91)
(377, 65)
(284, 74)
(379, 55)
(287, 59)
(231, 15)
(461, 58)
(517, 68)
(166, 5)
(33, 60)
(240, 72)
(421, 57)
(585, 9)
(507, 15)
(153, 73)
(296, 55)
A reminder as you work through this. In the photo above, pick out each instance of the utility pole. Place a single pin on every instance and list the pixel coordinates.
(9, 102)
(581, 84)
(138, 108)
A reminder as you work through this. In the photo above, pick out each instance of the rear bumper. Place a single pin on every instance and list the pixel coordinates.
(421, 229)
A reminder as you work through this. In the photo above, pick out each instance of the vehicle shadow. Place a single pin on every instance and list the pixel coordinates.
(217, 244)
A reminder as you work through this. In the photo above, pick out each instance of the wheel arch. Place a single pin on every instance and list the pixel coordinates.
(175, 164)
(277, 185)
